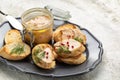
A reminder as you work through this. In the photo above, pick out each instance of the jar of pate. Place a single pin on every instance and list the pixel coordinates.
(38, 22)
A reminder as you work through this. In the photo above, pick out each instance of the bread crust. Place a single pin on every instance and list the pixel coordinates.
(73, 60)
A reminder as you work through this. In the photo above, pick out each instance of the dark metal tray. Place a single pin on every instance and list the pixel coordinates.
(94, 51)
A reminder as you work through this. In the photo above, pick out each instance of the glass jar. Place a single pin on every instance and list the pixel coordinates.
(39, 22)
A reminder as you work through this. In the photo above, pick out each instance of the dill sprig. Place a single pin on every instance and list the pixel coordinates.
(18, 49)
(39, 54)
(78, 39)
(63, 49)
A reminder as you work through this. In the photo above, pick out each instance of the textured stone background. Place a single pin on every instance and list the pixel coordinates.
(101, 17)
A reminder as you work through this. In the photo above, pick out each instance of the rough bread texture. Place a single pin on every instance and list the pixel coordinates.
(73, 60)
(13, 36)
(5, 51)
(45, 65)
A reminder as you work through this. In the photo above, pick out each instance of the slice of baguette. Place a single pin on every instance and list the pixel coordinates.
(68, 31)
(10, 51)
(44, 56)
(74, 48)
(73, 60)
(13, 36)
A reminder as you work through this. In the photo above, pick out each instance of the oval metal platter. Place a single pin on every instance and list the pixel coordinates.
(94, 51)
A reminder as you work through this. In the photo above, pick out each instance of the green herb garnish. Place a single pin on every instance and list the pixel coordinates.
(63, 49)
(39, 54)
(78, 39)
(18, 49)
(37, 51)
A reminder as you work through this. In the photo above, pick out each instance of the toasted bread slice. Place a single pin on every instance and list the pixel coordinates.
(68, 48)
(13, 36)
(73, 60)
(44, 56)
(69, 31)
(15, 51)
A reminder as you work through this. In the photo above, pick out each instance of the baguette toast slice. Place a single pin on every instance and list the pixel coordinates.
(15, 51)
(13, 36)
(69, 31)
(44, 56)
(68, 48)
(73, 60)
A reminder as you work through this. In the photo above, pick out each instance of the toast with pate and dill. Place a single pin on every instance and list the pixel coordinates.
(69, 31)
(68, 48)
(44, 56)
(15, 51)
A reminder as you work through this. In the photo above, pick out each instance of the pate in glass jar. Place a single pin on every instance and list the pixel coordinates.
(39, 22)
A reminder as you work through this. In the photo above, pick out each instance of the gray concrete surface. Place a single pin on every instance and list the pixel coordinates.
(101, 17)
